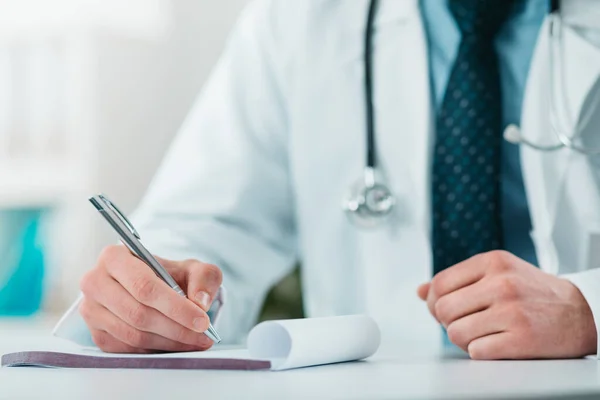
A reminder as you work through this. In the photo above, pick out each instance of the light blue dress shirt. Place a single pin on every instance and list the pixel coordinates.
(515, 44)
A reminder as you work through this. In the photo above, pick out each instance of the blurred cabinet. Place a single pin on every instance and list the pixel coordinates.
(91, 93)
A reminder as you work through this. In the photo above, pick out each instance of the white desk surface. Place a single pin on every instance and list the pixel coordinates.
(412, 373)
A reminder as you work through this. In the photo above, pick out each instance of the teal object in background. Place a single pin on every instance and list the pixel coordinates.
(21, 262)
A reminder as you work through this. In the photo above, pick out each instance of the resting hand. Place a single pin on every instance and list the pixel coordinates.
(497, 306)
(128, 309)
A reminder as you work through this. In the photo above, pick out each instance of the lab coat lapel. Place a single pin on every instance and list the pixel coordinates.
(556, 182)
(404, 107)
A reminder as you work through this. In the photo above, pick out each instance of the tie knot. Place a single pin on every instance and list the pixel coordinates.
(481, 17)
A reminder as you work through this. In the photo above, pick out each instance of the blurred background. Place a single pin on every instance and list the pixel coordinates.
(91, 94)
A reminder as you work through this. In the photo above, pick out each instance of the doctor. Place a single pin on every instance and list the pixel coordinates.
(405, 103)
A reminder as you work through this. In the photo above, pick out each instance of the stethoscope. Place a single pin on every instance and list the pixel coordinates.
(559, 126)
(370, 201)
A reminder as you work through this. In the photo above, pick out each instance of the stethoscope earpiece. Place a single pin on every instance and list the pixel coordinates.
(567, 132)
(512, 134)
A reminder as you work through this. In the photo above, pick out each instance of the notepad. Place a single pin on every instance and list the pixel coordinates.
(272, 345)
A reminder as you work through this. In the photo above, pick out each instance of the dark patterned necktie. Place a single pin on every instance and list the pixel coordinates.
(466, 167)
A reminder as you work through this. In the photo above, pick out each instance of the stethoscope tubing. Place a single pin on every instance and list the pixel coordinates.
(558, 126)
(371, 159)
(370, 202)
(356, 206)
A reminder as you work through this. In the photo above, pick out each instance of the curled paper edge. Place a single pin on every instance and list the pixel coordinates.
(314, 341)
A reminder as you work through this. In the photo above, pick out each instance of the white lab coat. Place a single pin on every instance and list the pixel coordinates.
(255, 180)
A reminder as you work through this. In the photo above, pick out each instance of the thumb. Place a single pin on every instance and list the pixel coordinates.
(203, 282)
(423, 290)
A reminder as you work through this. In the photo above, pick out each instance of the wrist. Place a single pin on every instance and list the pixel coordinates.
(586, 334)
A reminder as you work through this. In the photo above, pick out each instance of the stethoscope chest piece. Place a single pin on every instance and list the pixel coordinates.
(369, 203)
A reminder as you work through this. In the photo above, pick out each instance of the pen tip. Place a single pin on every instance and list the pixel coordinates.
(211, 332)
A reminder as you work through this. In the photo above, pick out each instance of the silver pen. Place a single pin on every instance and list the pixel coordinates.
(130, 238)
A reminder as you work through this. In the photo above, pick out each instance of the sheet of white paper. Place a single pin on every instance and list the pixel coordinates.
(294, 343)
(314, 341)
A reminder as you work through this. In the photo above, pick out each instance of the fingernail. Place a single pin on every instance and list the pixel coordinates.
(200, 324)
(203, 300)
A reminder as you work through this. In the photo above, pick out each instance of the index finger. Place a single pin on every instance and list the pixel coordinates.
(456, 277)
(147, 288)
(459, 275)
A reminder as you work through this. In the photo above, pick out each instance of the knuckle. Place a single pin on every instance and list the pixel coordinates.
(110, 254)
(194, 267)
(193, 264)
(498, 260)
(135, 338)
(101, 339)
(144, 289)
(208, 273)
(507, 288)
(437, 285)
(137, 316)
(176, 312)
(181, 335)
(456, 335)
(87, 282)
(441, 311)
(84, 310)
(492, 258)
(213, 274)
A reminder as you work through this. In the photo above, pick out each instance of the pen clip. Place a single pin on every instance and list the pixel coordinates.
(119, 214)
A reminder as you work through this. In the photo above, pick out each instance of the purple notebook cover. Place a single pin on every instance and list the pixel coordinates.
(66, 360)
